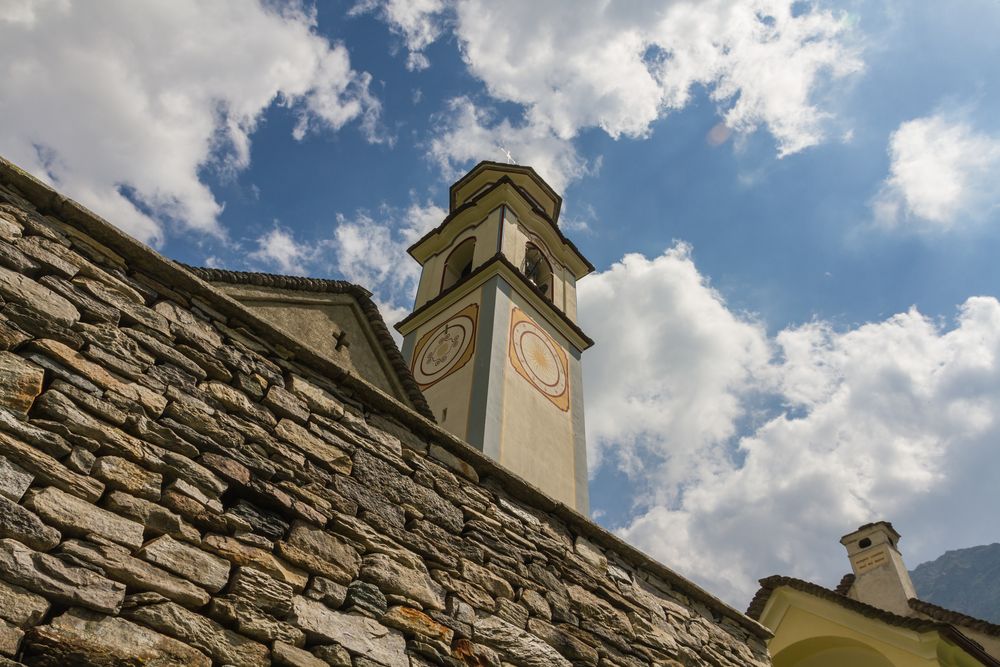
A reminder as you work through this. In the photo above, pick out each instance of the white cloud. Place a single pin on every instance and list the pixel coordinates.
(621, 66)
(469, 133)
(688, 360)
(758, 453)
(278, 249)
(418, 22)
(372, 252)
(942, 172)
(119, 103)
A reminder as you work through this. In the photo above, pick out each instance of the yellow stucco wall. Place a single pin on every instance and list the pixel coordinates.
(813, 632)
(454, 391)
(538, 439)
(516, 237)
(484, 229)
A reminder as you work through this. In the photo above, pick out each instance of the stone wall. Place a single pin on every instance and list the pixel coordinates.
(181, 484)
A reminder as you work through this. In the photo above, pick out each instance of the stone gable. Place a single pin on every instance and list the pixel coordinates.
(183, 484)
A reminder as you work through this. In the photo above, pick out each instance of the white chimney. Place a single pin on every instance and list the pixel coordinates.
(881, 578)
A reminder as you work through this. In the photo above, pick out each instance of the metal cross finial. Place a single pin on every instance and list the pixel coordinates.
(510, 158)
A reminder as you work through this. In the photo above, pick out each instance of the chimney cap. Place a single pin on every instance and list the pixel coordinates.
(872, 528)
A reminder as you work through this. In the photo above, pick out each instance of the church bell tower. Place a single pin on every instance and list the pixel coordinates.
(493, 340)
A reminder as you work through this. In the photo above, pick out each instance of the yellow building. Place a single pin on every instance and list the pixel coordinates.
(872, 619)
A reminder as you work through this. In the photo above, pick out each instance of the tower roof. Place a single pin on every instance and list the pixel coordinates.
(510, 169)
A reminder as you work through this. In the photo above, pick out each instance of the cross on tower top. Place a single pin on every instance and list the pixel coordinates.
(510, 158)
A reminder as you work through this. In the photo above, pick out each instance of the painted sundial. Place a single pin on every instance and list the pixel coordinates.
(446, 348)
(539, 359)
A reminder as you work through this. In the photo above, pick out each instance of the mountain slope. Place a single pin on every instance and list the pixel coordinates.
(966, 580)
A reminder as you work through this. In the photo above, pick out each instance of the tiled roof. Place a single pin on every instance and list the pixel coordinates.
(844, 587)
(954, 617)
(360, 294)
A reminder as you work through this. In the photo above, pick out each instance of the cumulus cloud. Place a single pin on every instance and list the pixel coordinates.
(279, 250)
(418, 22)
(689, 361)
(759, 452)
(372, 251)
(469, 133)
(941, 172)
(121, 104)
(621, 66)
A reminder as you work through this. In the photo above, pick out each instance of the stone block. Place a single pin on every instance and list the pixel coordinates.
(599, 616)
(187, 561)
(204, 634)
(316, 398)
(135, 573)
(285, 404)
(290, 656)
(319, 551)
(156, 518)
(80, 460)
(536, 604)
(80, 637)
(20, 383)
(334, 655)
(261, 590)
(404, 575)
(360, 635)
(483, 578)
(118, 473)
(267, 523)
(512, 612)
(412, 622)
(243, 554)
(456, 464)
(516, 645)
(328, 592)
(10, 638)
(318, 450)
(251, 622)
(20, 606)
(48, 470)
(364, 598)
(77, 517)
(570, 646)
(74, 361)
(22, 525)
(25, 291)
(58, 581)
(44, 439)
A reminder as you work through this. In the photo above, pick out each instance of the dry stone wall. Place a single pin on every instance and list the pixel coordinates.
(178, 487)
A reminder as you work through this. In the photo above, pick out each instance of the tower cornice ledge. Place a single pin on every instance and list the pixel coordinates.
(502, 192)
(496, 265)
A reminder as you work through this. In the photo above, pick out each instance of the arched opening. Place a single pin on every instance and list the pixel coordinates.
(830, 652)
(459, 263)
(537, 269)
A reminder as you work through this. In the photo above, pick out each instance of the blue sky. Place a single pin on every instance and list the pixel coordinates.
(792, 207)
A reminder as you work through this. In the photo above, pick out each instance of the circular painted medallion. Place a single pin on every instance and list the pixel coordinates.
(444, 349)
(538, 356)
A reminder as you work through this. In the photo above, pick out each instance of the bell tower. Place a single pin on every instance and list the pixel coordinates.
(493, 340)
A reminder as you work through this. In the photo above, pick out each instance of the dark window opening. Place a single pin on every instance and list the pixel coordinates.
(537, 269)
(459, 263)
